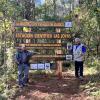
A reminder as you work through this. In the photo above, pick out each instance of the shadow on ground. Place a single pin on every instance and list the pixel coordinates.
(41, 87)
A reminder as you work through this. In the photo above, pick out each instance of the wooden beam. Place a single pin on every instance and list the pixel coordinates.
(39, 24)
(43, 35)
(40, 45)
(48, 57)
(42, 48)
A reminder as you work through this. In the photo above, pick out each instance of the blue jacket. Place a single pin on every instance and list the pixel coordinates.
(83, 49)
(23, 57)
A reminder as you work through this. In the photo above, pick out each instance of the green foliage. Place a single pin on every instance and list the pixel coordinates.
(93, 62)
(88, 29)
(7, 73)
(95, 93)
(91, 89)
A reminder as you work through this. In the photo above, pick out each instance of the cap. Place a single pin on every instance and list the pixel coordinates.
(22, 46)
(77, 40)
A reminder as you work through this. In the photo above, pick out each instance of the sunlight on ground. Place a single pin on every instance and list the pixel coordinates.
(89, 71)
(68, 88)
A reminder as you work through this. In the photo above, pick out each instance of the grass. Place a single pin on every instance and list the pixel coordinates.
(92, 87)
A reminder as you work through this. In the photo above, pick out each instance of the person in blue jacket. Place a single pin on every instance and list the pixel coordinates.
(22, 59)
(78, 50)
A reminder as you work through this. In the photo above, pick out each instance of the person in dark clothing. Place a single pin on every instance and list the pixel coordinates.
(22, 60)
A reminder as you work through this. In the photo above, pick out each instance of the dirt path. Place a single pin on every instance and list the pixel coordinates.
(41, 88)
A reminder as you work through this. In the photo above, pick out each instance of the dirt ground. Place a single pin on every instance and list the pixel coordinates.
(51, 88)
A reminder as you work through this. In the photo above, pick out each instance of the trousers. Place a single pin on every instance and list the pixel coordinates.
(23, 71)
(78, 68)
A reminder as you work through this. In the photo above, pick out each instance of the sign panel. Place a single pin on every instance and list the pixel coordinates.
(43, 35)
(30, 39)
(68, 24)
(39, 24)
(48, 57)
(34, 66)
(69, 57)
(47, 66)
(41, 66)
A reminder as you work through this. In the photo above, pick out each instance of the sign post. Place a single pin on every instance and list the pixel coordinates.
(29, 39)
(59, 62)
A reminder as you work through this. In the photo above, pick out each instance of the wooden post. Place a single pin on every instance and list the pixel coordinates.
(58, 63)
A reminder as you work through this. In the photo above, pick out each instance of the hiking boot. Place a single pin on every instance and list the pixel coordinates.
(81, 78)
(21, 86)
(25, 85)
(77, 77)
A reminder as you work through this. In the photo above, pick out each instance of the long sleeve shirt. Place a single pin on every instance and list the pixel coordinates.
(23, 56)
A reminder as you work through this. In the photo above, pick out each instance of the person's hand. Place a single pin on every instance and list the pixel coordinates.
(82, 54)
(17, 62)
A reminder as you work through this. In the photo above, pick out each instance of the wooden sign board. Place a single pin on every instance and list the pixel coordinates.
(39, 24)
(48, 57)
(43, 35)
(40, 48)
(40, 45)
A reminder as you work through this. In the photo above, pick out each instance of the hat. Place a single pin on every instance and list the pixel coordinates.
(22, 45)
(77, 40)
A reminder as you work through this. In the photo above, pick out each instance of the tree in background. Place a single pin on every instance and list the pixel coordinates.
(86, 25)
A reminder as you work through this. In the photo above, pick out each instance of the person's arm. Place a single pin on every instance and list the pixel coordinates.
(70, 49)
(30, 54)
(83, 51)
(16, 58)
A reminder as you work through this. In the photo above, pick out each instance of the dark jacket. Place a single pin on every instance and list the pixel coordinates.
(23, 57)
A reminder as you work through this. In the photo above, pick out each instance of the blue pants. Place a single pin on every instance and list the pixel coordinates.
(23, 71)
(78, 68)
